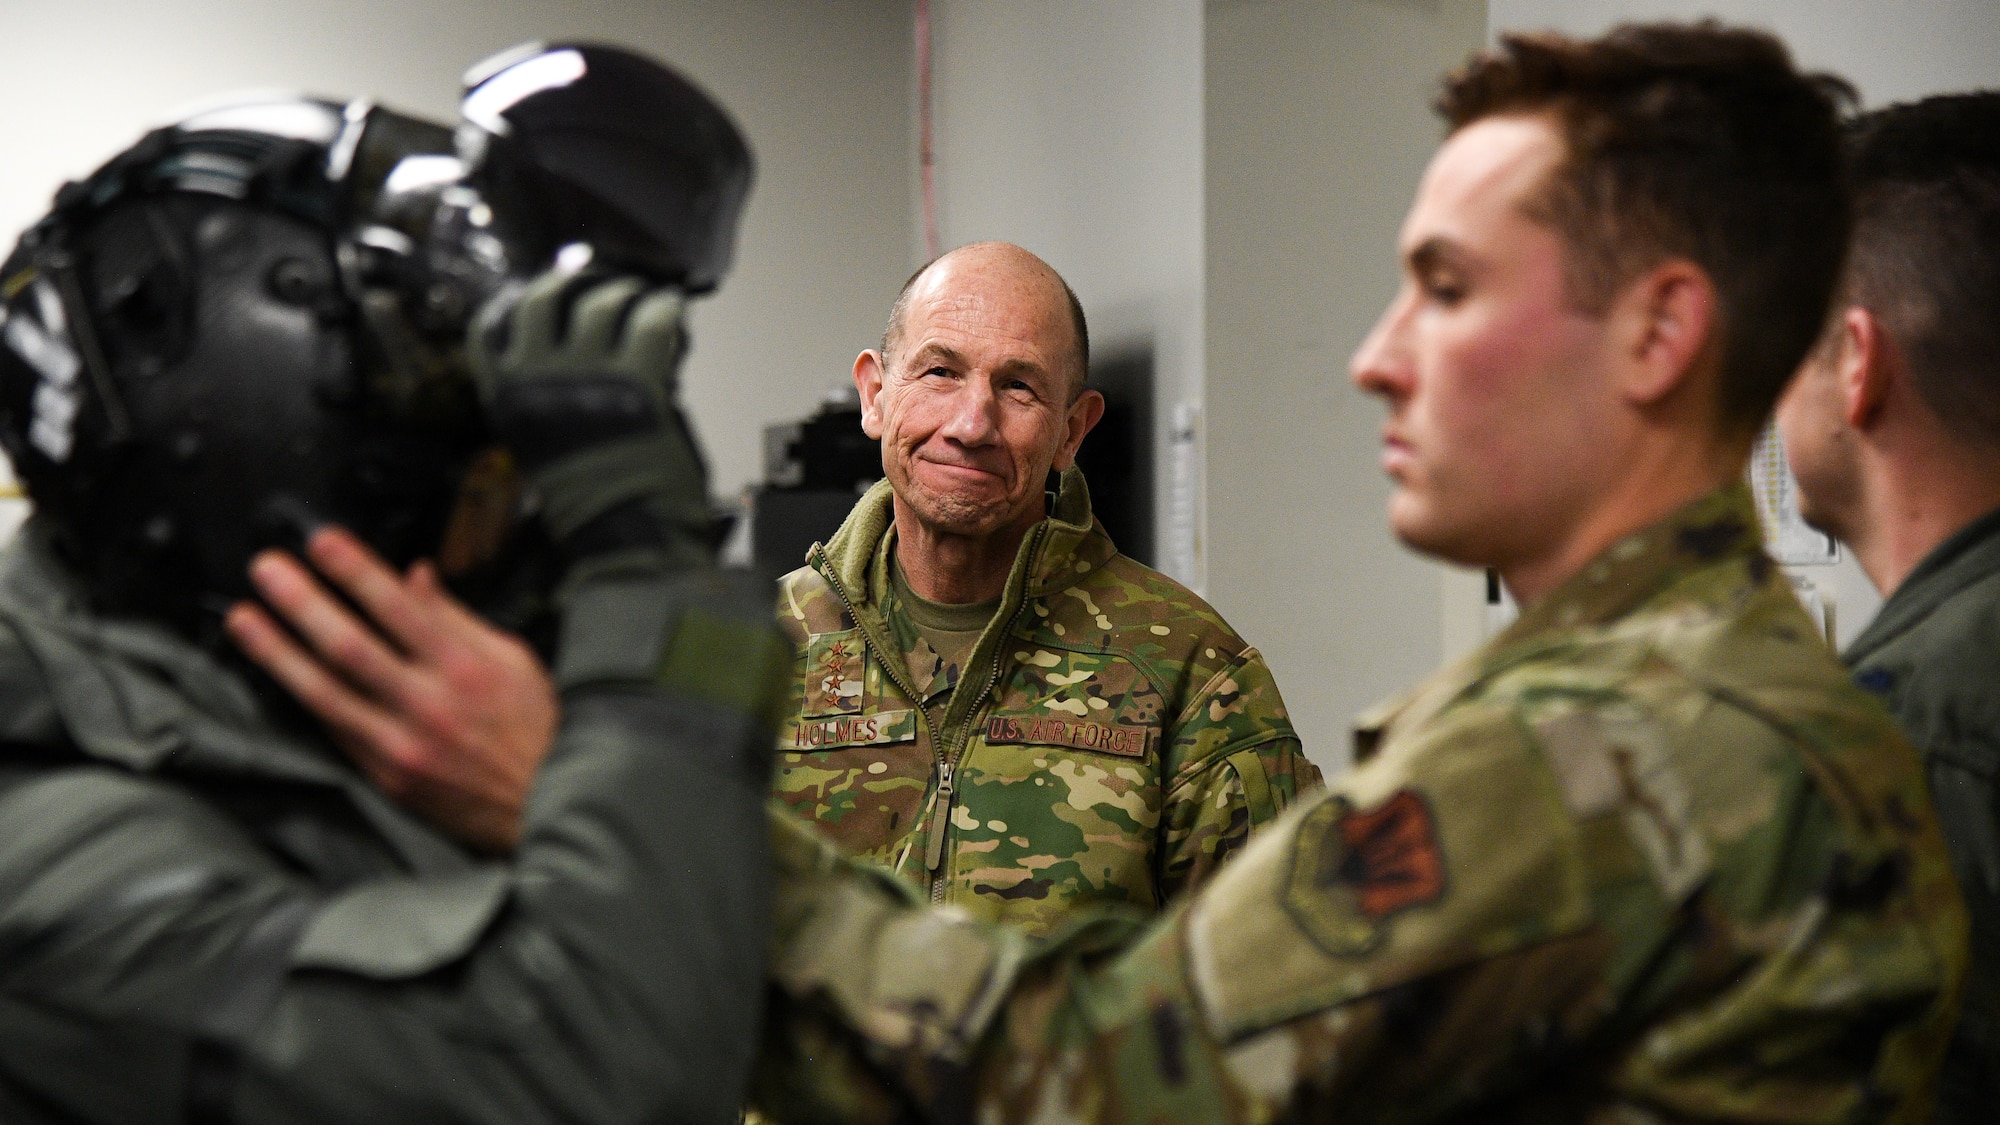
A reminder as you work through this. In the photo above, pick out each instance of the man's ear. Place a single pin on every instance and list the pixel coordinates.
(1667, 317)
(868, 381)
(1867, 365)
(1084, 414)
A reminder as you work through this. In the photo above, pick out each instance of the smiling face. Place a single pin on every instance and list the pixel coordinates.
(978, 399)
(1494, 379)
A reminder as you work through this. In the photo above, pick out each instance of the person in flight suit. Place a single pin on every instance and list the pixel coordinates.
(1893, 431)
(1649, 854)
(253, 324)
(989, 698)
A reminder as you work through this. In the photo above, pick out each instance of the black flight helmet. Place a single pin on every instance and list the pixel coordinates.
(253, 321)
(188, 372)
(592, 145)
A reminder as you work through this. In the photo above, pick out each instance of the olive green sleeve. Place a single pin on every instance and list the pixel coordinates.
(609, 972)
(1237, 765)
(1273, 990)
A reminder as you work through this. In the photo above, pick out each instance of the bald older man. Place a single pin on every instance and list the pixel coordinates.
(990, 698)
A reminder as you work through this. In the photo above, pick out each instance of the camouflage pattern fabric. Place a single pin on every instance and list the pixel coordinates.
(1113, 740)
(1647, 857)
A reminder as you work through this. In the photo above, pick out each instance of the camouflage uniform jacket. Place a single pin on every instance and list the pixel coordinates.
(1113, 741)
(1933, 655)
(1649, 856)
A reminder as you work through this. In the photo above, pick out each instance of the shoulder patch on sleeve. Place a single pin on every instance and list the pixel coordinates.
(1352, 869)
(1426, 859)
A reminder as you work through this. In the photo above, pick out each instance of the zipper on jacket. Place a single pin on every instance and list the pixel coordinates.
(946, 758)
(940, 803)
(934, 855)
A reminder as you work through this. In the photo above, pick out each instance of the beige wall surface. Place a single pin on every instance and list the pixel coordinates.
(822, 89)
(1317, 129)
(1891, 51)
(1073, 127)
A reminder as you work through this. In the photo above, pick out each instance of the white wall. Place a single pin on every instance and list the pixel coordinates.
(1891, 52)
(1229, 197)
(822, 90)
(1073, 127)
(1317, 129)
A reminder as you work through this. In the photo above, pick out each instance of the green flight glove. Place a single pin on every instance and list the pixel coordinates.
(579, 377)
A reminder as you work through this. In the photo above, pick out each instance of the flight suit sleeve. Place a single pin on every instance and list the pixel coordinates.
(1961, 775)
(170, 968)
(1237, 764)
(1961, 778)
(1388, 951)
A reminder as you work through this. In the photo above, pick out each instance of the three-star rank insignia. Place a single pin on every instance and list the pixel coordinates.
(1353, 869)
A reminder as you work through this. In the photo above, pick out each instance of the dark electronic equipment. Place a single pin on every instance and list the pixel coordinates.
(813, 471)
(1117, 457)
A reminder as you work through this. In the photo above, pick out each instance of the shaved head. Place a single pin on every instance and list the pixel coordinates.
(1037, 276)
(977, 395)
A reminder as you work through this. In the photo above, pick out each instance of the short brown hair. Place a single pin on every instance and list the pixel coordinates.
(1695, 141)
(1926, 253)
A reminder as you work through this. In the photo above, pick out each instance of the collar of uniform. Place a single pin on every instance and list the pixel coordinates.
(1627, 575)
(1071, 543)
(880, 597)
(1074, 544)
(847, 555)
(1068, 544)
(1631, 571)
(1970, 554)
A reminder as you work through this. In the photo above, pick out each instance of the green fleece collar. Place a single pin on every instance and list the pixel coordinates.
(1071, 543)
(1054, 554)
(1965, 557)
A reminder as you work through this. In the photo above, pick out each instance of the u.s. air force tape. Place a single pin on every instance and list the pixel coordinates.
(1080, 734)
